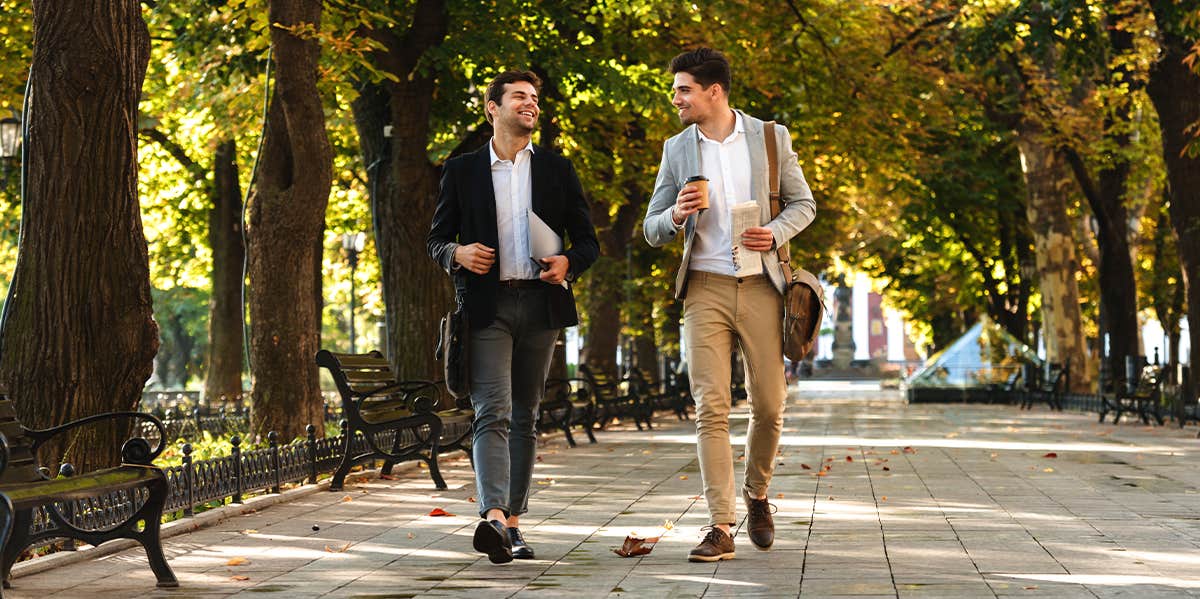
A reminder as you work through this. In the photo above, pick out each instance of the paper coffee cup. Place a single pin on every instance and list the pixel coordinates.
(700, 182)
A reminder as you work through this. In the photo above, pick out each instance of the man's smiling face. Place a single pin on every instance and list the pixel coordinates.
(694, 102)
(518, 108)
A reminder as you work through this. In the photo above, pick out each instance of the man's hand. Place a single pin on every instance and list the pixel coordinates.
(557, 271)
(687, 203)
(758, 239)
(477, 258)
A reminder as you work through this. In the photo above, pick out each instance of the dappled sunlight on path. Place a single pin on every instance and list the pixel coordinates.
(874, 497)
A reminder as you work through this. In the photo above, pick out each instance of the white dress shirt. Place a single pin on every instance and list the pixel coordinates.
(512, 184)
(727, 165)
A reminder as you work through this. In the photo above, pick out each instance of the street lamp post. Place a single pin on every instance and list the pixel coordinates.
(10, 142)
(353, 244)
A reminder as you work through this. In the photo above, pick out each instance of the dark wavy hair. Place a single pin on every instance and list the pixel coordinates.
(495, 89)
(706, 65)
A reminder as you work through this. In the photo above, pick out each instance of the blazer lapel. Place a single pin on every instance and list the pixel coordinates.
(537, 181)
(758, 159)
(483, 197)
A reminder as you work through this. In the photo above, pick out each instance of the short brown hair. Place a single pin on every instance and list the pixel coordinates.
(495, 89)
(706, 65)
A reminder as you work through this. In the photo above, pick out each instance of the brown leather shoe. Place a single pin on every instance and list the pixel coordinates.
(759, 523)
(717, 545)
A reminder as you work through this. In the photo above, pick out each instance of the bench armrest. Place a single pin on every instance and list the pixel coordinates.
(421, 404)
(580, 387)
(5, 453)
(136, 450)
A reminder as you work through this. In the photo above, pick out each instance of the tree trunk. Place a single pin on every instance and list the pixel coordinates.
(1045, 179)
(602, 302)
(223, 381)
(1119, 316)
(601, 333)
(1175, 90)
(287, 213)
(404, 185)
(79, 337)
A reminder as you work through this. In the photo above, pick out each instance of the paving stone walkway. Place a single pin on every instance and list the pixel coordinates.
(876, 499)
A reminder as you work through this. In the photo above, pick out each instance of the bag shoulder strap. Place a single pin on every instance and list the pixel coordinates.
(785, 259)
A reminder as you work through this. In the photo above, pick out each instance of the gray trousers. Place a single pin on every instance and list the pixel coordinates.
(510, 360)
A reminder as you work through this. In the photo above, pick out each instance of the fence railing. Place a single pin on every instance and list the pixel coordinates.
(195, 485)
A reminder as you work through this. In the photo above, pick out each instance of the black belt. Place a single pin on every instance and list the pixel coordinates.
(522, 283)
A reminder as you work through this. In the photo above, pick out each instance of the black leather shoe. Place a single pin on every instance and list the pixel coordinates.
(520, 549)
(492, 539)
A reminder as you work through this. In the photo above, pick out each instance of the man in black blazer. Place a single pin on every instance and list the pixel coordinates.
(515, 306)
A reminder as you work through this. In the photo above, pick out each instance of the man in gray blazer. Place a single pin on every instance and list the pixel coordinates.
(728, 148)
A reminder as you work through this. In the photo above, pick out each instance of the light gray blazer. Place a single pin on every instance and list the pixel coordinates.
(681, 159)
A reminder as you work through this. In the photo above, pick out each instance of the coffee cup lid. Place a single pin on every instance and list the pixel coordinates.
(694, 178)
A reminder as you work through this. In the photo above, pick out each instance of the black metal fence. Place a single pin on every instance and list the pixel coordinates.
(196, 485)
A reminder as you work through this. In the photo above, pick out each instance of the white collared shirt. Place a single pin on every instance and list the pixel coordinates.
(727, 165)
(512, 183)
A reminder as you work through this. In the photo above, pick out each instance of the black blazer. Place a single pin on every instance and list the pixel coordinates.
(466, 213)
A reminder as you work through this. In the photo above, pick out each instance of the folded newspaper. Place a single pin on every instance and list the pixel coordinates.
(745, 262)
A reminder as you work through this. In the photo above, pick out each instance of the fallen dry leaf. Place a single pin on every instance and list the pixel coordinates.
(668, 525)
(822, 473)
(635, 546)
(827, 468)
(237, 561)
(909, 450)
(895, 452)
(347, 498)
(884, 498)
(249, 531)
(828, 459)
(239, 577)
(779, 496)
(338, 549)
(471, 499)
(695, 497)
(849, 459)
(806, 466)
(438, 512)
(886, 469)
(412, 536)
(1051, 455)
(1047, 470)
(421, 465)
(538, 459)
(646, 452)
(683, 477)
(951, 435)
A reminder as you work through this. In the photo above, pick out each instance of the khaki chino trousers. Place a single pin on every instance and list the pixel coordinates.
(719, 311)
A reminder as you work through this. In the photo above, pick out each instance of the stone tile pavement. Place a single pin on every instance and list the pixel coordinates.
(876, 499)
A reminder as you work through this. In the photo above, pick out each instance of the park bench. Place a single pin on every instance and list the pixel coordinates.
(1141, 395)
(1004, 391)
(569, 403)
(659, 395)
(123, 502)
(616, 399)
(398, 420)
(1049, 387)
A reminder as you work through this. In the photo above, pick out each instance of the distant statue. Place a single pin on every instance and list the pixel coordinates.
(843, 324)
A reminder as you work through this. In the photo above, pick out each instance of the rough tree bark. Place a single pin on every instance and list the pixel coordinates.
(80, 337)
(1174, 89)
(286, 217)
(223, 381)
(404, 184)
(1106, 196)
(1045, 179)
